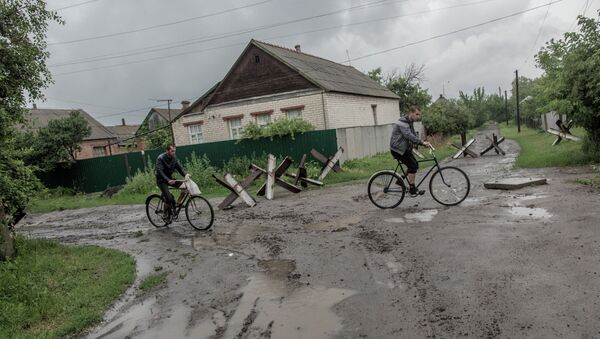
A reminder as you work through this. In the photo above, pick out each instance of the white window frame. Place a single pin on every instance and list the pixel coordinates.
(266, 121)
(294, 113)
(235, 132)
(196, 137)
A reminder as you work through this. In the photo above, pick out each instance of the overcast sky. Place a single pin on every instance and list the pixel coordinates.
(116, 76)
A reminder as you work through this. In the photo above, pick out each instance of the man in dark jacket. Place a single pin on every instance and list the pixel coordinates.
(166, 164)
(402, 141)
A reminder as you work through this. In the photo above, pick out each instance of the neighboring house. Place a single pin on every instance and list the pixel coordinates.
(126, 139)
(95, 145)
(269, 82)
(158, 117)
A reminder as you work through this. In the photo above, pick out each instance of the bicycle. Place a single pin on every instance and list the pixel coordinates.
(448, 186)
(198, 211)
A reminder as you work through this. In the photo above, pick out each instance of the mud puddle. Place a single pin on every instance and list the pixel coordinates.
(273, 309)
(424, 216)
(538, 213)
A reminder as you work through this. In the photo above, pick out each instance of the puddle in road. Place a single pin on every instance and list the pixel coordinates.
(272, 307)
(277, 268)
(134, 320)
(424, 216)
(336, 223)
(530, 212)
(531, 197)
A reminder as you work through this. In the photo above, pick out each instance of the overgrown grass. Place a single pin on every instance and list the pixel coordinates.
(537, 150)
(144, 183)
(52, 290)
(152, 281)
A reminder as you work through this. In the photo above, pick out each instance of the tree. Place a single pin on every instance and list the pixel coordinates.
(58, 142)
(571, 82)
(445, 117)
(23, 75)
(406, 85)
(158, 138)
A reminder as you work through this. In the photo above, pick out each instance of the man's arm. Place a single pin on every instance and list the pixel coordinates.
(408, 134)
(180, 168)
(160, 169)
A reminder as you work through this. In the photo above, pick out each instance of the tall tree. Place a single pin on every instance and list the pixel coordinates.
(407, 85)
(571, 81)
(23, 75)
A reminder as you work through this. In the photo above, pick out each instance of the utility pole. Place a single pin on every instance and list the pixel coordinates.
(170, 120)
(499, 91)
(517, 95)
(506, 107)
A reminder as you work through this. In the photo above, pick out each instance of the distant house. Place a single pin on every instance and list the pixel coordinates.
(95, 145)
(268, 82)
(158, 117)
(126, 139)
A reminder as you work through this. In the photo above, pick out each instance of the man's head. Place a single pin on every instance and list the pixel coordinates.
(414, 113)
(171, 150)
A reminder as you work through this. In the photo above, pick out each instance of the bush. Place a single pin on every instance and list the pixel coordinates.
(279, 128)
(201, 171)
(446, 118)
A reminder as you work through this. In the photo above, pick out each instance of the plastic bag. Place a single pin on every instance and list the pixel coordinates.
(192, 187)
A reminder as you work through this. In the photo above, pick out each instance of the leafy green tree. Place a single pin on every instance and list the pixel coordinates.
(406, 85)
(278, 128)
(159, 138)
(58, 142)
(23, 75)
(445, 117)
(571, 82)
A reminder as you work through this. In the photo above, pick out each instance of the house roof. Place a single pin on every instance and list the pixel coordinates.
(123, 131)
(164, 112)
(327, 74)
(40, 118)
(198, 102)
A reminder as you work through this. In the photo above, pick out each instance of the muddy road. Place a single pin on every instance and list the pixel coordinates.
(327, 264)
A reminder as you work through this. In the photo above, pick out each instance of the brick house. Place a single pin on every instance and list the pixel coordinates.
(126, 139)
(95, 145)
(268, 82)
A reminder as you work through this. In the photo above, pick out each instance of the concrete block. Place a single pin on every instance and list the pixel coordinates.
(514, 183)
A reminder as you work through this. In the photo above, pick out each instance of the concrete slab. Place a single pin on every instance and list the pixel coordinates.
(514, 183)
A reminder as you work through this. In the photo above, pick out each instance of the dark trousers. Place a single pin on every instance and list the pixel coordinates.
(164, 189)
(407, 159)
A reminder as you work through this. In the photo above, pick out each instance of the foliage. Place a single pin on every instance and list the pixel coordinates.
(58, 142)
(278, 128)
(445, 117)
(406, 85)
(158, 138)
(571, 83)
(51, 290)
(23, 75)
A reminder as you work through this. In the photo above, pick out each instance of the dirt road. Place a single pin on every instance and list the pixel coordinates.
(326, 263)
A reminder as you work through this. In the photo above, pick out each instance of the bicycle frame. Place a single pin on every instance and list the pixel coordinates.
(404, 174)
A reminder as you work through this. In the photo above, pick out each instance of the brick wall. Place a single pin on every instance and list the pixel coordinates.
(346, 110)
(215, 127)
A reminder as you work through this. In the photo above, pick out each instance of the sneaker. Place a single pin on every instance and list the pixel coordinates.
(413, 191)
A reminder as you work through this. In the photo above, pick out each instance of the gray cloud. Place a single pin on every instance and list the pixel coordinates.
(485, 56)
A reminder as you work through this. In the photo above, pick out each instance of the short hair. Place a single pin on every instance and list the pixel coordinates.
(414, 108)
(169, 146)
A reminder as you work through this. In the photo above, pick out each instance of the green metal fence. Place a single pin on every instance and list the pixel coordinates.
(94, 175)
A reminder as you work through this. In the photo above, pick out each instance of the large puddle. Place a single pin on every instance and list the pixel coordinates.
(273, 309)
(424, 216)
(538, 213)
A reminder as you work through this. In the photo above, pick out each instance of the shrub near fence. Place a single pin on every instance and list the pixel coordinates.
(94, 175)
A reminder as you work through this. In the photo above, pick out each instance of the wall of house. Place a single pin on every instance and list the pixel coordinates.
(87, 148)
(215, 126)
(346, 110)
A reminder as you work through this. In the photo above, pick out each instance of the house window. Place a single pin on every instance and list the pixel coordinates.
(263, 119)
(294, 114)
(235, 128)
(99, 151)
(195, 132)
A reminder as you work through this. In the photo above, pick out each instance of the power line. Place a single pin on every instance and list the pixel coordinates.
(109, 56)
(453, 32)
(74, 5)
(155, 26)
(577, 16)
(539, 33)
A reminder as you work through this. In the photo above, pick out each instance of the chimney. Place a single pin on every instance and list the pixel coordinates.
(297, 47)
(34, 106)
(123, 121)
(185, 104)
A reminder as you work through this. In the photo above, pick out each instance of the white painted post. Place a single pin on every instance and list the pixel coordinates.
(331, 163)
(270, 176)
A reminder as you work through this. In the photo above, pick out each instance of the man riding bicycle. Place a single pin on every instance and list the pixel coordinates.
(402, 142)
(166, 164)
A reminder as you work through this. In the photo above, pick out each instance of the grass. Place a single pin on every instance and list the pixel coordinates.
(537, 150)
(152, 281)
(51, 290)
(358, 169)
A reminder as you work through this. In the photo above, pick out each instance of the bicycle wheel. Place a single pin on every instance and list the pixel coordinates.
(386, 189)
(449, 186)
(199, 213)
(155, 210)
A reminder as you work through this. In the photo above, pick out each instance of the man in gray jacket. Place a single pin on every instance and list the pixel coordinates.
(402, 141)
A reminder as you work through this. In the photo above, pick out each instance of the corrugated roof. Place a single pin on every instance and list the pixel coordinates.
(41, 116)
(327, 74)
(123, 131)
